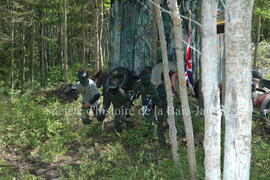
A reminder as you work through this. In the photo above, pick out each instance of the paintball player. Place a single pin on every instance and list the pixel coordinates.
(150, 99)
(121, 104)
(90, 95)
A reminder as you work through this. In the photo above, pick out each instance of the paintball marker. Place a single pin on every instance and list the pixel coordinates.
(148, 106)
(132, 97)
(69, 93)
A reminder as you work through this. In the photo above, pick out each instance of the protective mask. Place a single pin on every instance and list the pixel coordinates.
(84, 81)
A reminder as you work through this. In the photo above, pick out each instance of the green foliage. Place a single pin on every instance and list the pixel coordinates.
(52, 135)
(264, 58)
(260, 161)
(114, 163)
(24, 129)
(261, 7)
(41, 24)
(134, 138)
(47, 133)
(7, 171)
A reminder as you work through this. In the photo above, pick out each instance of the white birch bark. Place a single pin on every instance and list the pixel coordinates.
(211, 94)
(258, 31)
(171, 119)
(238, 105)
(97, 69)
(101, 60)
(178, 35)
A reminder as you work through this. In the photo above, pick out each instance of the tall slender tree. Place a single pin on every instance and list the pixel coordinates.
(258, 39)
(41, 54)
(12, 46)
(84, 34)
(101, 60)
(238, 105)
(154, 47)
(211, 94)
(98, 65)
(32, 63)
(178, 35)
(65, 44)
(22, 56)
(168, 85)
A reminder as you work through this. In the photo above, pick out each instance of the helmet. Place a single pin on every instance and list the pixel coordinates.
(257, 74)
(114, 84)
(145, 76)
(83, 76)
(146, 73)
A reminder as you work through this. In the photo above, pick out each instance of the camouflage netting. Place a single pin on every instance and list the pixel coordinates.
(132, 33)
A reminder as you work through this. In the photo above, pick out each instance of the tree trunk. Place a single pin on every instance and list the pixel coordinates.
(46, 50)
(178, 34)
(154, 47)
(12, 51)
(107, 41)
(42, 60)
(65, 44)
(171, 119)
(211, 94)
(84, 37)
(238, 105)
(32, 63)
(22, 58)
(259, 24)
(61, 45)
(97, 38)
(101, 60)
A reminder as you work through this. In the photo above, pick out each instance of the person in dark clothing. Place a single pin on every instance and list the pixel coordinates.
(121, 102)
(145, 88)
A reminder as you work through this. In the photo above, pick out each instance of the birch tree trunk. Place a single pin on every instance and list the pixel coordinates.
(97, 38)
(171, 119)
(211, 94)
(107, 42)
(259, 24)
(178, 35)
(101, 61)
(238, 105)
(84, 36)
(65, 44)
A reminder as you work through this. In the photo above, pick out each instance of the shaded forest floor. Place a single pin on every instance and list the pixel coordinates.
(44, 139)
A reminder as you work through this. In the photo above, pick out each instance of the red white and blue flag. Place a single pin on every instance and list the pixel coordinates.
(188, 58)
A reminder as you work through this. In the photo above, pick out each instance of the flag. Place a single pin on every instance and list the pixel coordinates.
(188, 60)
